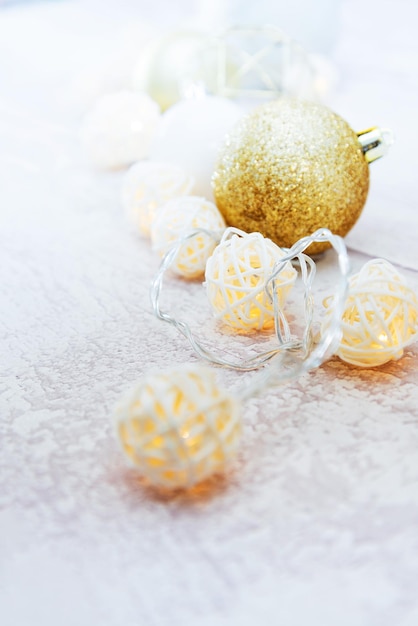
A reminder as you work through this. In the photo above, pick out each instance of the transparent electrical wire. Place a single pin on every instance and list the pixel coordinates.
(292, 356)
(290, 364)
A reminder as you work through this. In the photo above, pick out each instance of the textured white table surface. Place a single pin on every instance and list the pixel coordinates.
(317, 524)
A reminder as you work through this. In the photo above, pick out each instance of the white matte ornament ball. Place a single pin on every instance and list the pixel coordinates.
(178, 218)
(190, 135)
(147, 186)
(236, 277)
(120, 128)
(380, 317)
(175, 63)
(179, 427)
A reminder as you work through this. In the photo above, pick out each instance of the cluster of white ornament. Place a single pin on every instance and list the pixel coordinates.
(179, 427)
(174, 68)
(157, 197)
(173, 157)
(127, 126)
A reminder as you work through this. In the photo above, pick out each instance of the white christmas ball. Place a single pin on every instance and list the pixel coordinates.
(120, 128)
(190, 135)
(175, 63)
(147, 186)
(178, 218)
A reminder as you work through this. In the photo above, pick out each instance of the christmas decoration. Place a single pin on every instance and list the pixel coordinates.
(236, 279)
(291, 177)
(290, 167)
(243, 62)
(175, 63)
(119, 129)
(190, 135)
(179, 427)
(380, 316)
(262, 62)
(147, 186)
(306, 356)
(181, 217)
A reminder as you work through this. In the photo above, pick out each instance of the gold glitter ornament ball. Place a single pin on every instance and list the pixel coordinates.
(290, 167)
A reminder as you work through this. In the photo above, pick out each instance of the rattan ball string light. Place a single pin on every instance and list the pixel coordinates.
(179, 427)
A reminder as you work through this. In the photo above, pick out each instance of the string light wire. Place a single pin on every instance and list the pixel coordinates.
(292, 356)
(291, 364)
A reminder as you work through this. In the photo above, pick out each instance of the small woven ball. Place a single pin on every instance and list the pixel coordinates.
(178, 427)
(119, 130)
(288, 168)
(236, 278)
(175, 220)
(148, 186)
(380, 317)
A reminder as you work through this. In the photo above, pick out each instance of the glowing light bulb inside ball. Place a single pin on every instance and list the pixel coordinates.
(147, 186)
(119, 130)
(236, 278)
(380, 317)
(179, 427)
(178, 218)
(170, 64)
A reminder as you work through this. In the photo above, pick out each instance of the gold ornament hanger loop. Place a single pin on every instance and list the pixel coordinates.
(375, 142)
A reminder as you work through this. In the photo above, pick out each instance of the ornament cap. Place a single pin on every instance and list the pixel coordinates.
(375, 142)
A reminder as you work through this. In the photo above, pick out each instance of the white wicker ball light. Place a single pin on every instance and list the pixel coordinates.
(147, 186)
(120, 128)
(236, 277)
(175, 220)
(380, 317)
(179, 427)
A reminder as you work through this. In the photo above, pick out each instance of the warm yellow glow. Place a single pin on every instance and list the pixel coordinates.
(236, 277)
(380, 318)
(175, 220)
(147, 186)
(179, 427)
